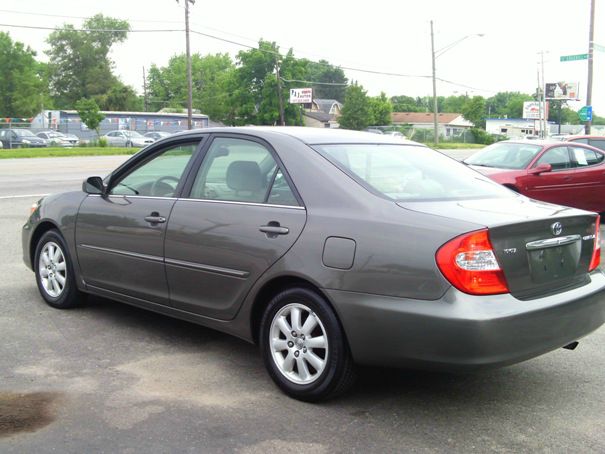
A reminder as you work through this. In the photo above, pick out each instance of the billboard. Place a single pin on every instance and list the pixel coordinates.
(531, 110)
(301, 95)
(562, 90)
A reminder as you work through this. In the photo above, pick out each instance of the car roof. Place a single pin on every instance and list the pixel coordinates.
(310, 136)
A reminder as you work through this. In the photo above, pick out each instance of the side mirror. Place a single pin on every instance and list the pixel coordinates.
(540, 168)
(93, 185)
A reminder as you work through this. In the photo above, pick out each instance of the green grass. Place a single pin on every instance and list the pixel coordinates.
(53, 152)
(455, 146)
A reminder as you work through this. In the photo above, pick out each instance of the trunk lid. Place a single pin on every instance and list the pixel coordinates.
(541, 248)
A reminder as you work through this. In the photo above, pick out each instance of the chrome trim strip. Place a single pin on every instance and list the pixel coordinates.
(121, 196)
(208, 268)
(552, 242)
(231, 202)
(151, 258)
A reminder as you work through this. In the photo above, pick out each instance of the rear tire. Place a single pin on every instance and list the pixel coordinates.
(304, 347)
(54, 272)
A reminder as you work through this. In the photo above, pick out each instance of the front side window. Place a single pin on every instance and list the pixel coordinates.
(410, 173)
(158, 177)
(557, 157)
(241, 171)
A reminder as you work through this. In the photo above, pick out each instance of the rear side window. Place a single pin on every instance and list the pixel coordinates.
(599, 143)
(557, 157)
(240, 170)
(410, 173)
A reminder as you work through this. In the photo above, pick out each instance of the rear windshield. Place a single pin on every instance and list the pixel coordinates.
(505, 155)
(410, 173)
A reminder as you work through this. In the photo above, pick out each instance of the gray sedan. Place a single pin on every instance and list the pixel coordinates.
(327, 248)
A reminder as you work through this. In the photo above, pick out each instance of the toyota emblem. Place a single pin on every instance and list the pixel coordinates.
(556, 228)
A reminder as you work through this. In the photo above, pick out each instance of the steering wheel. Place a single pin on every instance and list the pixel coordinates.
(161, 189)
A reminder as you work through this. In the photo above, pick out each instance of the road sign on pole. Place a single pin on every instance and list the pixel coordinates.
(585, 113)
(599, 47)
(573, 57)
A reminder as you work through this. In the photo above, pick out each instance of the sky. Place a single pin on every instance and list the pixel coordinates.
(382, 35)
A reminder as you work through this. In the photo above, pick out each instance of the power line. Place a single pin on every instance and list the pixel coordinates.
(247, 46)
(104, 30)
(314, 83)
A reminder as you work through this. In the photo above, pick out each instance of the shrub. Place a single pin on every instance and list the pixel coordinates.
(102, 142)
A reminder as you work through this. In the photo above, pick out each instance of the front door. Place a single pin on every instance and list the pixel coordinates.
(120, 237)
(557, 186)
(241, 216)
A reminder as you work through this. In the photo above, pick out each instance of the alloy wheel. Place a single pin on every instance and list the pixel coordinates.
(52, 269)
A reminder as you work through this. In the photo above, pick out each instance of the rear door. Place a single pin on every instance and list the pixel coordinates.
(557, 186)
(241, 214)
(589, 176)
(120, 237)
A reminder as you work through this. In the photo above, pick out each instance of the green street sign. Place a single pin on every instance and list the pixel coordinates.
(574, 57)
(585, 113)
(599, 47)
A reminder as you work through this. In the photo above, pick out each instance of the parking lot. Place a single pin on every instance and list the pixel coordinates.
(112, 378)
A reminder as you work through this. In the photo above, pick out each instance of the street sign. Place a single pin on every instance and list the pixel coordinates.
(574, 57)
(599, 47)
(301, 95)
(585, 113)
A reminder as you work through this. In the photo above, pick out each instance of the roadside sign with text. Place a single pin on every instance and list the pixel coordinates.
(562, 90)
(573, 57)
(585, 113)
(531, 110)
(301, 95)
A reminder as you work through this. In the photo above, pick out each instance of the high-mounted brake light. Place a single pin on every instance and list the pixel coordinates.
(596, 252)
(469, 263)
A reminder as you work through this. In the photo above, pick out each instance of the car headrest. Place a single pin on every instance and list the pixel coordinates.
(244, 176)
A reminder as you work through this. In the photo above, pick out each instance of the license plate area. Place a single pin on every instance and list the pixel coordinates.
(555, 262)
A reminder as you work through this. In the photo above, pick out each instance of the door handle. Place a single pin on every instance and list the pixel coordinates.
(273, 229)
(155, 218)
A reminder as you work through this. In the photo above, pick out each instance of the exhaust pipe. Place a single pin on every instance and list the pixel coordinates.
(571, 346)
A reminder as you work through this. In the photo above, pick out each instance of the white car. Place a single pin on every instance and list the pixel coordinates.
(55, 138)
(125, 138)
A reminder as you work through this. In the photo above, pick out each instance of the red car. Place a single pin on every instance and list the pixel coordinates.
(595, 141)
(571, 174)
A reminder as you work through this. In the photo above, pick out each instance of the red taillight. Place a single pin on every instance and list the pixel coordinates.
(469, 263)
(596, 253)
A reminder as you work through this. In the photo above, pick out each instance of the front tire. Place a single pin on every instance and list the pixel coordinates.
(54, 272)
(304, 347)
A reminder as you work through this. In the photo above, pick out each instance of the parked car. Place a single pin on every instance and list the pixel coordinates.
(125, 138)
(157, 135)
(58, 139)
(396, 134)
(556, 172)
(20, 138)
(328, 248)
(595, 141)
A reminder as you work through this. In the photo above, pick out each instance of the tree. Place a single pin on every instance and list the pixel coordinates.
(88, 110)
(23, 89)
(168, 85)
(507, 104)
(254, 89)
(356, 110)
(454, 104)
(474, 111)
(380, 110)
(80, 67)
(326, 73)
(404, 103)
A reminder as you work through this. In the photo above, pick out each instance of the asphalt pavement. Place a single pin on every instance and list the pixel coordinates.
(111, 378)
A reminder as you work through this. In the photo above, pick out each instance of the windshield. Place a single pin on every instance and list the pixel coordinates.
(505, 155)
(410, 173)
(24, 132)
(132, 134)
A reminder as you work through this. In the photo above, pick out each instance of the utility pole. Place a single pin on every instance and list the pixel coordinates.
(590, 63)
(282, 120)
(435, 110)
(146, 105)
(189, 84)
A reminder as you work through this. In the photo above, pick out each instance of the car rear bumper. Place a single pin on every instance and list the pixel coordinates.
(462, 332)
